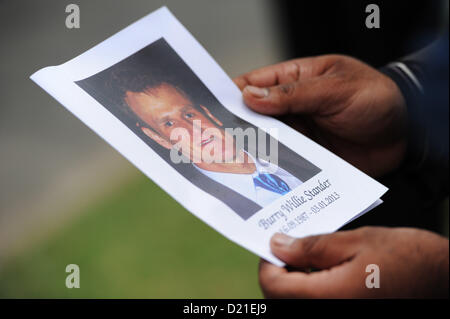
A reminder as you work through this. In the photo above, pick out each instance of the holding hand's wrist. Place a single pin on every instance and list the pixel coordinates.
(416, 134)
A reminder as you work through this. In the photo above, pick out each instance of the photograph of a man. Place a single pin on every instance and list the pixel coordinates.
(157, 96)
(165, 108)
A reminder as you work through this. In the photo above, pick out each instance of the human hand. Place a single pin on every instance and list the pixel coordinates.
(412, 263)
(347, 106)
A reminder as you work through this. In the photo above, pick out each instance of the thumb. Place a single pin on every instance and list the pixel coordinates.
(322, 251)
(303, 97)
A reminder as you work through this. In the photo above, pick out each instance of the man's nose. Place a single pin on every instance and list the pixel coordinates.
(193, 127)
(197, 124)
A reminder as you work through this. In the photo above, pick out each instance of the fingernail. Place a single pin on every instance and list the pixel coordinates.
(281, 239)
(257, 92)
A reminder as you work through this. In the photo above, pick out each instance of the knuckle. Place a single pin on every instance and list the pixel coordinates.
(265, 281)
(287, 89)
(267, 286)
(366, 233)
(291, 70)
(309, 246)
(366, 230)
(339, 57)
(268, 292)
(301, 290)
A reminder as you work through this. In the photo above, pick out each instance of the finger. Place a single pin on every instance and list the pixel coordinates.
(277, 282)
(288, 71)
(240, 82)
(285, 72)
(311, 96)
(321, 251)
(272, 280)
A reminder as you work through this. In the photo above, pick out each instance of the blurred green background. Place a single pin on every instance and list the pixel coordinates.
(135, 243)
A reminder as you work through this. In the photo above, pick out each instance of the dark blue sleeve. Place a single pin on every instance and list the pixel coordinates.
(423, 80)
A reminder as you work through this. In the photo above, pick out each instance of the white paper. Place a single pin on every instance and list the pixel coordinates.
(349, 194)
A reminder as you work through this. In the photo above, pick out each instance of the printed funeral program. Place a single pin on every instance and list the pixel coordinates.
(156, 95)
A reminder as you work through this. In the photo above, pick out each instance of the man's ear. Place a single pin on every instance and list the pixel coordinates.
(157, 138)
(212, 117)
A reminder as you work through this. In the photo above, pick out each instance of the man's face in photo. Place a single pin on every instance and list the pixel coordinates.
(165, 108)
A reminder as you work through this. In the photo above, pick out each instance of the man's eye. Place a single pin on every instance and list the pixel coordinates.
(168, 124)
(190, 115)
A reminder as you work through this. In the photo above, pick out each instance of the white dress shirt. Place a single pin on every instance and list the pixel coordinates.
(244, 184)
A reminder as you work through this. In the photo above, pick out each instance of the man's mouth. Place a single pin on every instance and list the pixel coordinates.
(207, 141)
